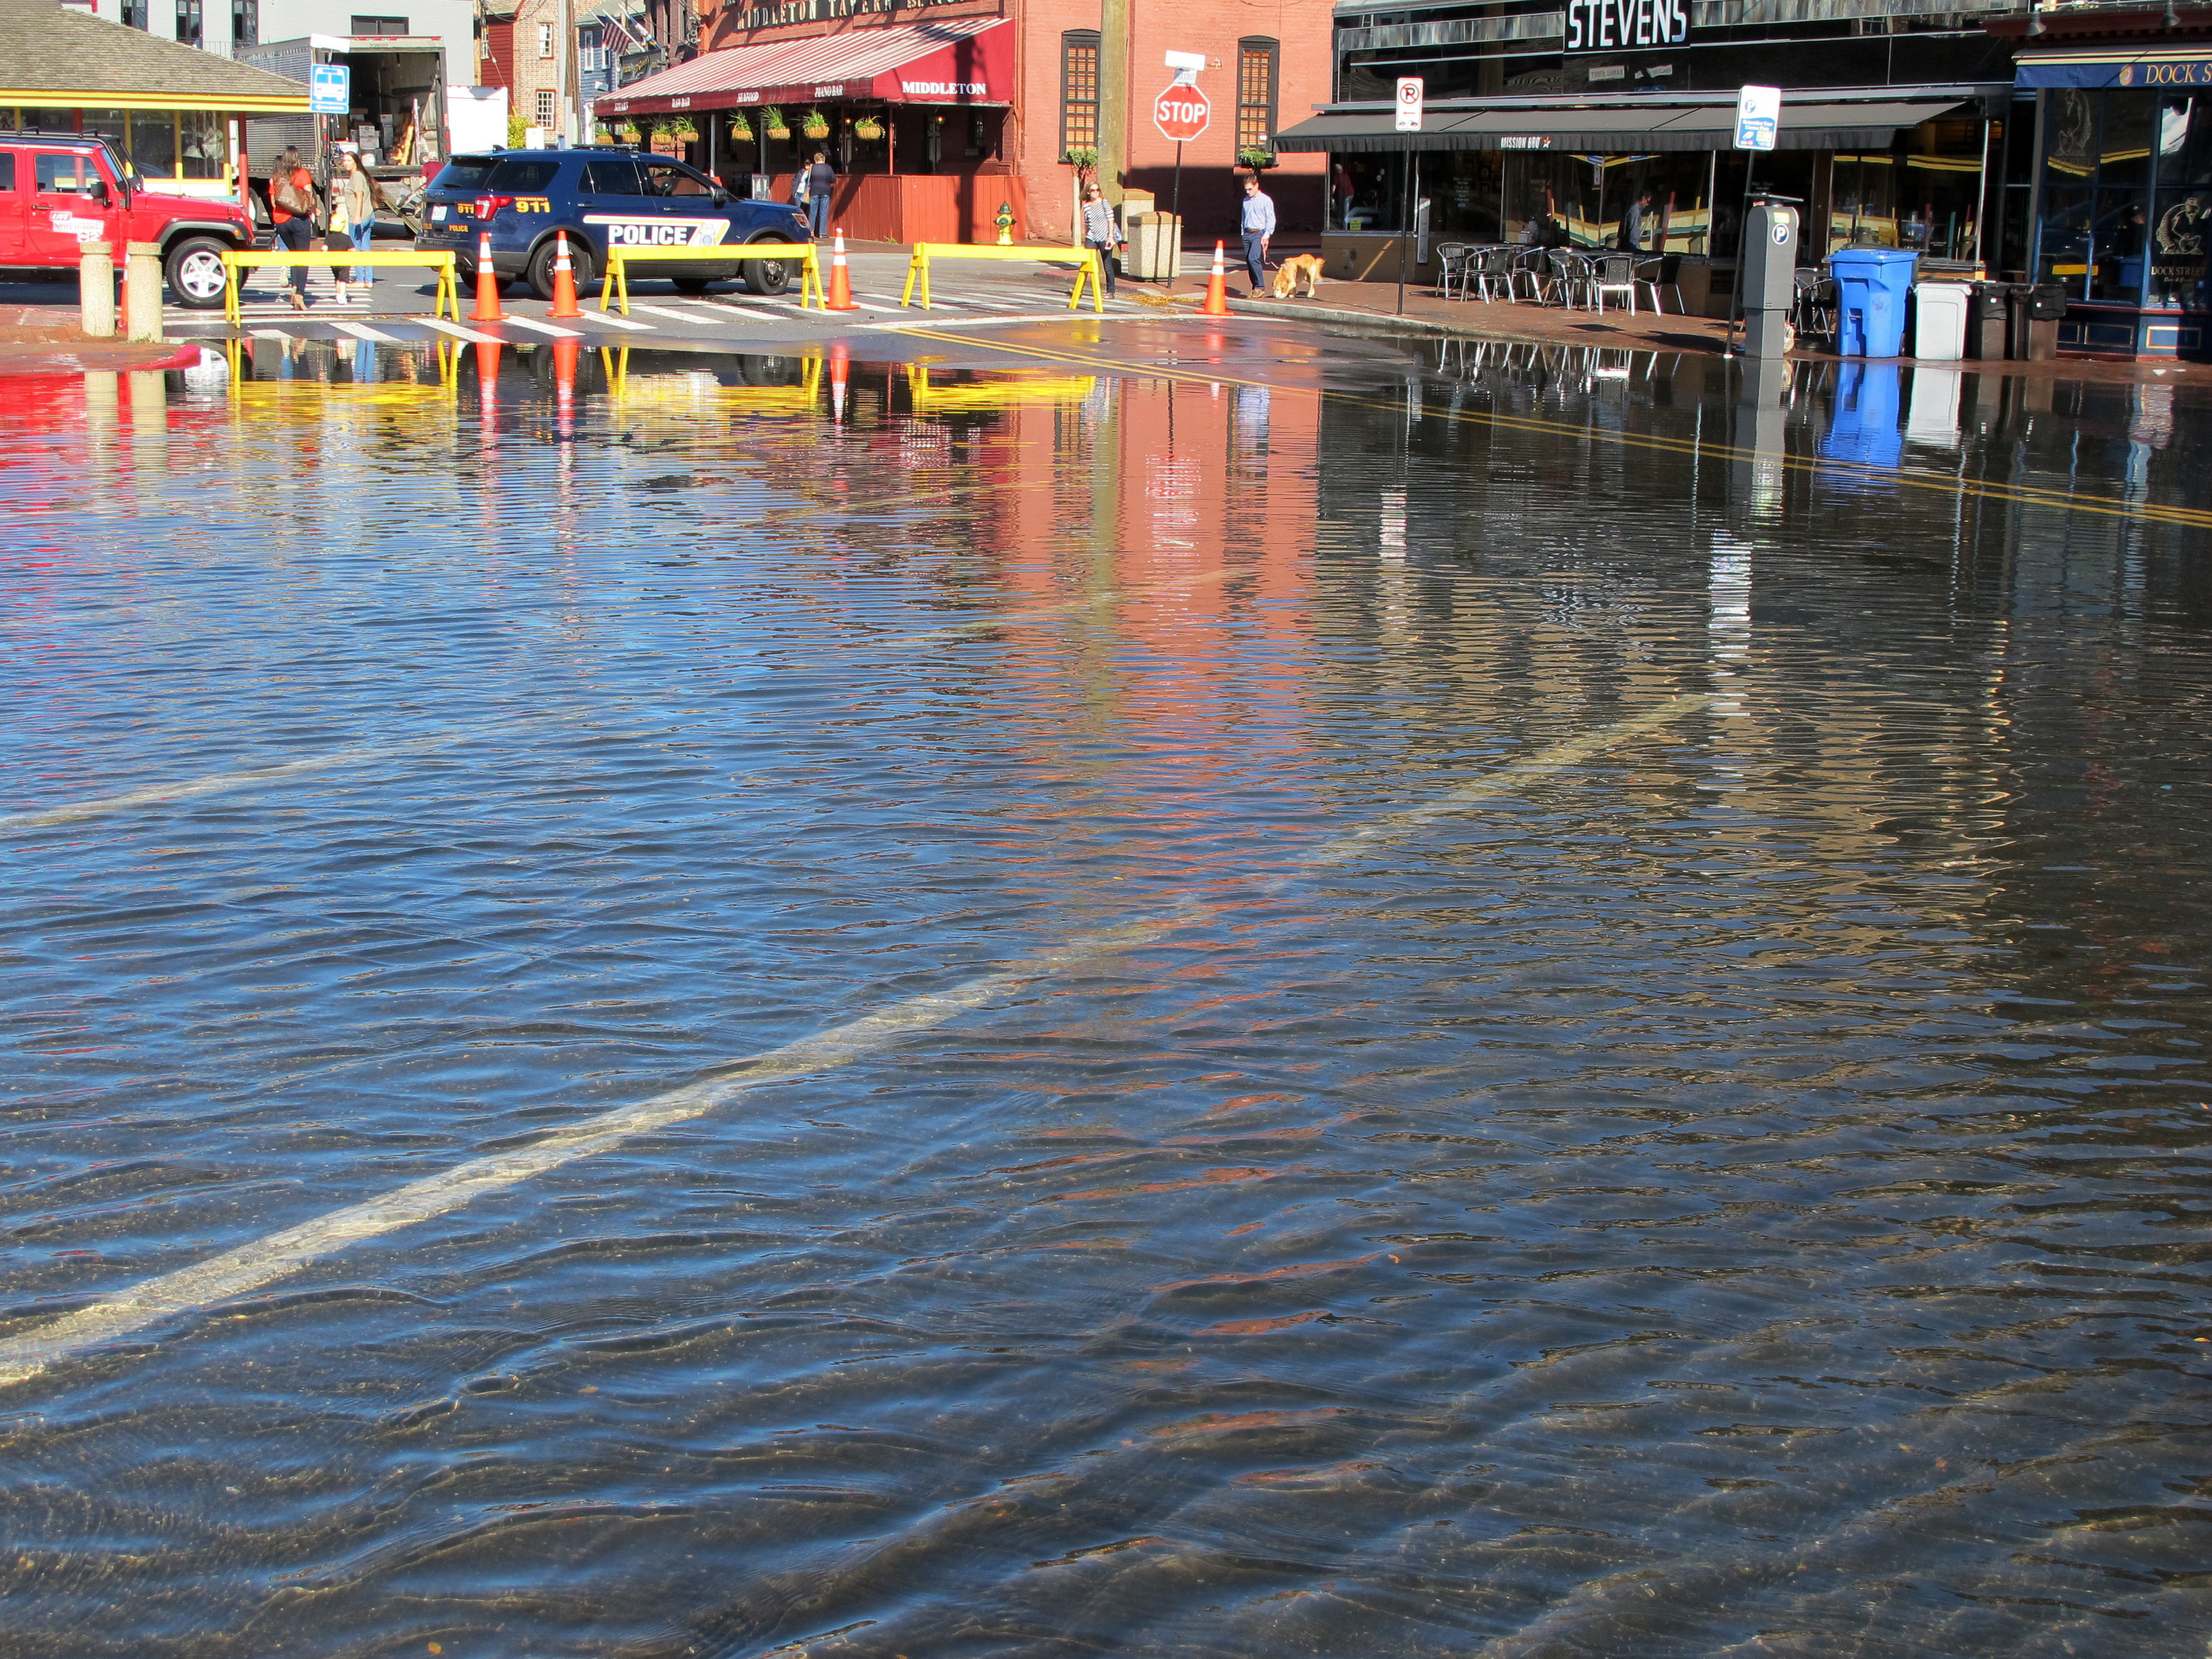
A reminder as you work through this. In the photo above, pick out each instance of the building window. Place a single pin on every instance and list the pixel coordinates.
(244, 23)
(1079, 90)
(134, 13)
(188, 22)
(544, 107)
(1256, 92)
(368, 25)
(545, 40)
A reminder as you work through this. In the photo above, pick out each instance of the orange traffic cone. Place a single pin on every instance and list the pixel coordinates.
(564, 279)
(841, 280)
(1217, 288)
(567, 354)
(840, 373)
(487, 309)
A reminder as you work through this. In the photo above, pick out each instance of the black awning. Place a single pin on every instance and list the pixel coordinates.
(1579, 127)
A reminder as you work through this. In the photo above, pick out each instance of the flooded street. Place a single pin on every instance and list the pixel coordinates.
(1141, 990)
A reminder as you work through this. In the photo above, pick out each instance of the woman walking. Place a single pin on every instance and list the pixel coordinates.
(292, 210)
(1100, 234)
(353, 216)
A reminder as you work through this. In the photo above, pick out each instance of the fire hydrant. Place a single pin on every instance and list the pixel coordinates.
(1006, 223)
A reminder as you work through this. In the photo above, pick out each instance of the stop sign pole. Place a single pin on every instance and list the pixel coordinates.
(1180, 113)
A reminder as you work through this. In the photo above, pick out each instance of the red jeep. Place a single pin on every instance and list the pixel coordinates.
(59, 189)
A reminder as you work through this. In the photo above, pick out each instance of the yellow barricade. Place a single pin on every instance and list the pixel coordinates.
(616, 290)
(1085, 261)
(232, 262)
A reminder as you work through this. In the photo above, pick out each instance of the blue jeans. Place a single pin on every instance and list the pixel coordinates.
(1256, 258)
(295, 232)
(818, 212)
(362, 235)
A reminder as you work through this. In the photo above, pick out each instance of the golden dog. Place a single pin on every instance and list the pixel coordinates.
(1298, 267)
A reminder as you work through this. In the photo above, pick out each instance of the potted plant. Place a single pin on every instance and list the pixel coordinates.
(1084, 158)
(1254, 157)
(771, 119)
(868, 128)
(684, 128)
(737, 127)
(814, 123)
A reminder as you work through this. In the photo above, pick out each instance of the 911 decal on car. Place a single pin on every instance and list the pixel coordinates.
(660, 233)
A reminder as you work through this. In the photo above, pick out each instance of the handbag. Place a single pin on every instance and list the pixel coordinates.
(288, 194)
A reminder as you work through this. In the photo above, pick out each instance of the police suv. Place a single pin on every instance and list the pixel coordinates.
(601, 196)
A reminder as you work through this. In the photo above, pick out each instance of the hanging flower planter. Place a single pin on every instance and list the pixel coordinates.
(771, 119)
(814, 123)
(1084, 158)
(868, 128)
(683, 128)
(737, 127)
(1255, 158)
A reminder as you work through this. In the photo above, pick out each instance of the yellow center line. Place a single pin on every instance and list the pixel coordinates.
(2023, 494)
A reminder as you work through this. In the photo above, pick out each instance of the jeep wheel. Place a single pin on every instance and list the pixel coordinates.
(194, 268)
(766, 276)
(540, 274)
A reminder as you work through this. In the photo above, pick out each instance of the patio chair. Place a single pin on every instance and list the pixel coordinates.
(1813, 310)
(1570, 278)
(1648, 273)
(1530, 265)
(1451, 267)
(1615, 274)
(1490, 270)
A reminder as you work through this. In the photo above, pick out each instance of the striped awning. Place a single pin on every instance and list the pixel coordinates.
(962, 60)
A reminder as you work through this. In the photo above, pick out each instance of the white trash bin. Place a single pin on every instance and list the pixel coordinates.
(1940, 334)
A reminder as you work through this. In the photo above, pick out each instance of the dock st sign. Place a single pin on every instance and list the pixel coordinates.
(1624, 25)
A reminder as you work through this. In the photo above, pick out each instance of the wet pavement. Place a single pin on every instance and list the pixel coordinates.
(1129, 987)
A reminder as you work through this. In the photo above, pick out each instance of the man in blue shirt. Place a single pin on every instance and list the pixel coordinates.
(1258, 225)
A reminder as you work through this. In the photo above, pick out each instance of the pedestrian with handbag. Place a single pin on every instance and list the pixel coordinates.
(353, 216)
(292, 209)
(1100, 234)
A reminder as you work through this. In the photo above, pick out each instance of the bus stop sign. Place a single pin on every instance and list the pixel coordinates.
(329, 89)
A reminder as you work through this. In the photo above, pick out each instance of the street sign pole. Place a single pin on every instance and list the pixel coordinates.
(1410, 91)
(1181, 120)
(1176, 258)
(1758, 121)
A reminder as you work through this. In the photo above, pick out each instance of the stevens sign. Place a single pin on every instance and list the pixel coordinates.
(1619, 25)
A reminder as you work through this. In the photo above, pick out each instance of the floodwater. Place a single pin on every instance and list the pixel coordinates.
(1141, 992)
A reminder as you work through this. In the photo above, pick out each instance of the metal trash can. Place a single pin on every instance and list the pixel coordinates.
(2036, 309)
(1872, 284)
(1939, 322)
(1986, 320)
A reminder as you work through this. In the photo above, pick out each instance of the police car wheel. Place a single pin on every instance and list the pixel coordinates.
(690, 284)
(768, 276)
(540, 275)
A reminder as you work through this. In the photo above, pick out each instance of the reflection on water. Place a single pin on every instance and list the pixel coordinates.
(1641, 1092)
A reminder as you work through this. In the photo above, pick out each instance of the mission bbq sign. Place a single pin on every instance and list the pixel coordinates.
(1626, 25)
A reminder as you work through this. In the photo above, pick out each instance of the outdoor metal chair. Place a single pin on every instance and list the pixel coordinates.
(1451, 267)
(1530, 265)
(1490, 270)
(1648, 273)
(1615, 274)
(1570, 278)
(1813, 310)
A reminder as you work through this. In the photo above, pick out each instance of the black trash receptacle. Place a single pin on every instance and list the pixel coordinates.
(1986, 320)
(2036, 309)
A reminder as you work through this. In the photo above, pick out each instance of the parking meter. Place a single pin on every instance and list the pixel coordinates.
(1767, 275)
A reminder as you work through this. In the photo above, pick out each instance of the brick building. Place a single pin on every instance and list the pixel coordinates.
(519, 47)
(938, 113)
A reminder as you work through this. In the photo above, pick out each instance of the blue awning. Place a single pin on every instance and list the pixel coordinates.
(2153, 70)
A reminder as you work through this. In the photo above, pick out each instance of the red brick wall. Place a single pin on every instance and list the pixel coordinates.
(1211, 183)
(1211, 180)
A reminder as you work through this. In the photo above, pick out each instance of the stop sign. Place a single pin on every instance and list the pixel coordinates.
(1180, 113)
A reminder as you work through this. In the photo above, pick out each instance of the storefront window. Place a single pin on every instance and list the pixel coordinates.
(203, 145)
(2184, 217)
(154, 143)
(2101, 151)
(1465, 188)
(1366, 193)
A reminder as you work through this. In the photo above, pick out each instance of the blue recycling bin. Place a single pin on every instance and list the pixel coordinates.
(1872, 284)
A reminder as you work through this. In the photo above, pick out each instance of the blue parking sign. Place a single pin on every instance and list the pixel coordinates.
(329, 89)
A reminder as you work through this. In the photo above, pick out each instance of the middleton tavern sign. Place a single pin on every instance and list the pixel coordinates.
(1625, 24)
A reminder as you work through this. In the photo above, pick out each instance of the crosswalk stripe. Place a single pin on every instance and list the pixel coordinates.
(663, 311)
(458, 331)
(537, 327)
